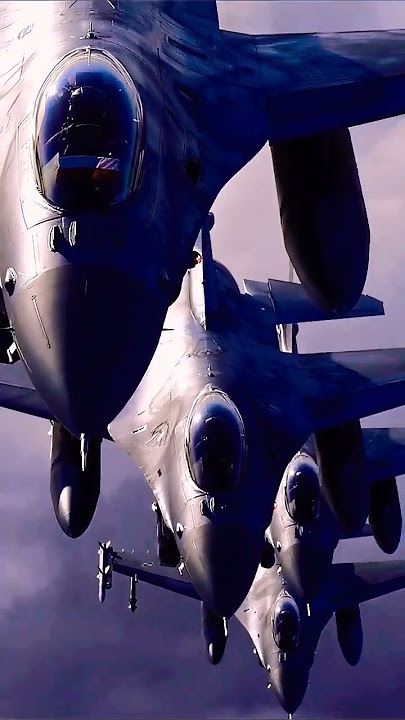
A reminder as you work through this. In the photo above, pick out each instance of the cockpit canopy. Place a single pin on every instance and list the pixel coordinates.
(215, 443)
(302, 490)
(88, 126)
(286, 622)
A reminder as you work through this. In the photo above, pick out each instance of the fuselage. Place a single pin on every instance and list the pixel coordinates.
(303, 532)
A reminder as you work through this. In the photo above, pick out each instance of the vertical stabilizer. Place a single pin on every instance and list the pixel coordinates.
(202, 281)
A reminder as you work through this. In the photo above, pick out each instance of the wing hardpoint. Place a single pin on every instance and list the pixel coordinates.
(124, 563)
(317, 82)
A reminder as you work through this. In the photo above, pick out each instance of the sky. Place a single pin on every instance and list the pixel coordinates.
(62, 654)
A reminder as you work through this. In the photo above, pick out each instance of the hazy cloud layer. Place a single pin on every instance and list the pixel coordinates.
(64, 655)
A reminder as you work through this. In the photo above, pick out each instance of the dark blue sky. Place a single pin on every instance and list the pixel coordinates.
(64, 655)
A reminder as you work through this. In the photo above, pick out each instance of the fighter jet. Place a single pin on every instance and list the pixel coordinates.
(218, 416)
(304, 531)
(221, 411)
(285, 634)
(120, 122)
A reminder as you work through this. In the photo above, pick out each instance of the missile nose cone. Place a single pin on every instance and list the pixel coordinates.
(87, 341)
(222, 561)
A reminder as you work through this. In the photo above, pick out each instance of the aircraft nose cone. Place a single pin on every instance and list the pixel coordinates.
(289, 684)
(87, 340)
(73, 518)
(222, 561)
(304, 567)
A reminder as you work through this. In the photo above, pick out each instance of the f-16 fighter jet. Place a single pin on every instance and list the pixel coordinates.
(120, 122)
(304, 531)
(285, 633)
(221, 411)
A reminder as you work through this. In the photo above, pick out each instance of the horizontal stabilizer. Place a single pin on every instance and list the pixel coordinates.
(291, 303)
(318, 82)
(342, 386)
(354, 583)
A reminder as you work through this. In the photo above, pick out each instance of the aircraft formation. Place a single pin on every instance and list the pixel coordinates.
(115, 139)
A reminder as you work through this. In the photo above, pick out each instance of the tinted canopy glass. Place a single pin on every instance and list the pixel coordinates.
(215, 443)
(87, 132)
(286, 623)
(302, 492)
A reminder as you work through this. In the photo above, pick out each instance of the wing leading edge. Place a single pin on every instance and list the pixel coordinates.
(342, 386)
(349, 583)
(23, 399)
(354, 583)
(312, 83)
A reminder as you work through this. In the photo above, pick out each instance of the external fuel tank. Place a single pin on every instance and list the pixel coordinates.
(323, 216)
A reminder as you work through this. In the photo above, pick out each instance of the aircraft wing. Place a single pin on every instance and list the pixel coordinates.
(385, 452)
(341, 386)
(124, 563)
(290, 303)
(312, 83)
(354, 583)
(196, 15)
(17, 393)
